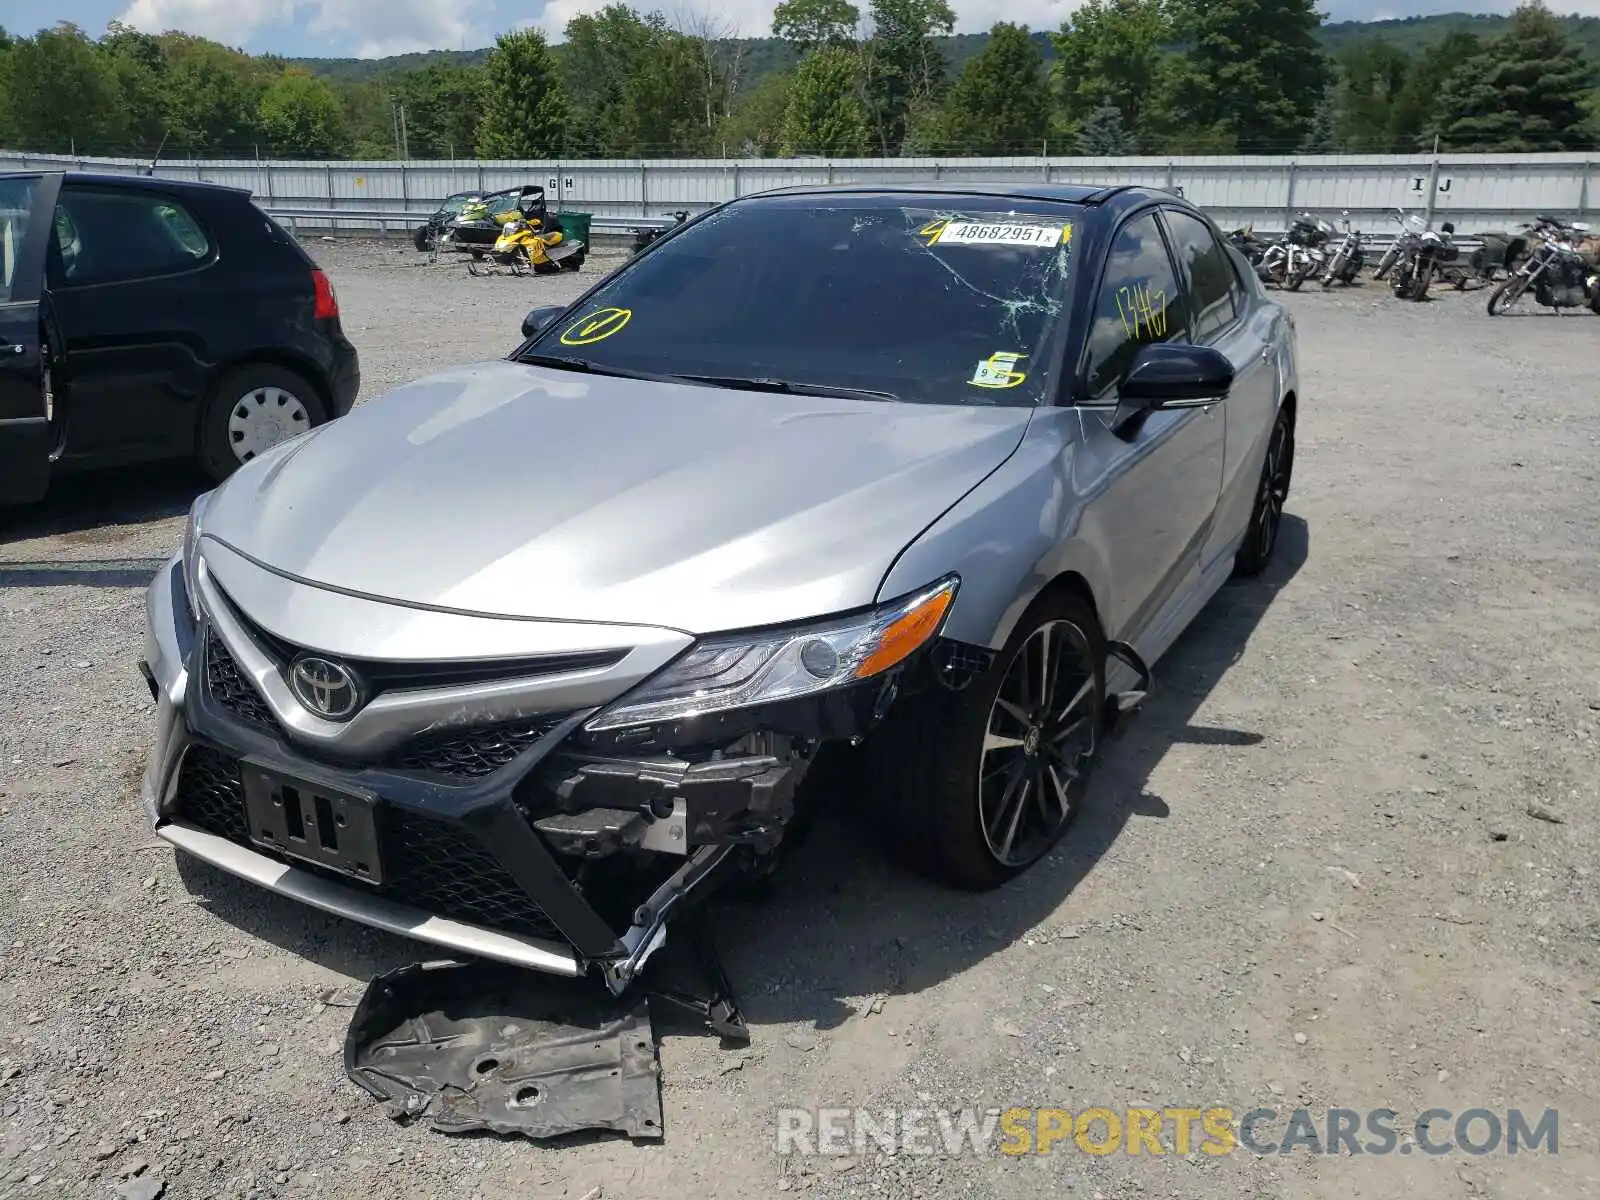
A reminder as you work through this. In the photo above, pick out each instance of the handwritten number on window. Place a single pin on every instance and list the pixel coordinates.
(1143, 311)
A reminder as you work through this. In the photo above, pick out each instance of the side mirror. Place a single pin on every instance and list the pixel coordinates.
(1166, 375)
(539, 319)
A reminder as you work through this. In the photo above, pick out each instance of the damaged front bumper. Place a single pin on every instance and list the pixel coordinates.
(567, 857)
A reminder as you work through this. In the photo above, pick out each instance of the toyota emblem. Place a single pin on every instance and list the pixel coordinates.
(326, 688)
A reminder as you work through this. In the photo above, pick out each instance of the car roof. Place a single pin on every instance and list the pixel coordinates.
(154, 183)
(1114, 196)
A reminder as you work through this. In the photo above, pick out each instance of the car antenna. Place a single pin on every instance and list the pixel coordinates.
(155, 158)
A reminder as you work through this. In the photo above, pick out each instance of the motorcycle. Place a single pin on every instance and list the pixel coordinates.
(530, 244)
(1554, 267)
(1421, 257)
(1346, 261)
(1293, 259)
(1411, 229)
(1308, 255)
(643, 237)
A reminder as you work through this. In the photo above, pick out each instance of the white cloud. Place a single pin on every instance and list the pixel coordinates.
(380, 27)
(753, 18)
(221, 20)
(375, 27)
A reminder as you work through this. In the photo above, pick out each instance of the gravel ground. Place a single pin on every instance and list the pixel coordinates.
(1345, 860)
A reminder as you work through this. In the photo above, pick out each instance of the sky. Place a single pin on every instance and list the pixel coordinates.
(374, 28)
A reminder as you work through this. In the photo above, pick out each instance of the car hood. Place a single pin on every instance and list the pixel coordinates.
(522, 491)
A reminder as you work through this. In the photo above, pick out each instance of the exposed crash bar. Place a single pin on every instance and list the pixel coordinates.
(369, 909)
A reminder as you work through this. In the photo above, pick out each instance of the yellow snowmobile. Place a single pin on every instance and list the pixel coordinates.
(529, 243)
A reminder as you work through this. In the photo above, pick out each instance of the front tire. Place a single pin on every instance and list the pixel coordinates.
(1266, 515)
(1507, 294)
(982, 783)
(252, 409)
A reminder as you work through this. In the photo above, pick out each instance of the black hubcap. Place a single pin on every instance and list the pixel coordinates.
(1040, 736)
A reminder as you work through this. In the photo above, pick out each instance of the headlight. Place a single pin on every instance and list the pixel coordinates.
(191, 553)
(739, 670)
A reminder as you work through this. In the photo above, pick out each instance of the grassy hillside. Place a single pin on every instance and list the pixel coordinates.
(763, 55)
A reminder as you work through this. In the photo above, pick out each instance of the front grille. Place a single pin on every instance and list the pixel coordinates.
(473, 752)
(230, 688)
(430, 864)
(385, 676)
(440, 867)
(211, 794)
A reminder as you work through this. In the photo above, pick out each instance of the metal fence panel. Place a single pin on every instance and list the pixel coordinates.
(1480, 191)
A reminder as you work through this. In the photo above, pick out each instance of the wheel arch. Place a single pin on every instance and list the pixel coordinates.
(275, 356)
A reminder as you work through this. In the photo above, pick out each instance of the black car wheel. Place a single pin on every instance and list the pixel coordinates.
(980, 784)
(423, 238)
(1266, 516)
(252, 409)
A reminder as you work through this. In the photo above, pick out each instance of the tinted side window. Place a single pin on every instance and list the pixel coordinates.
(1212, 281)
(1139, 302)
(16, 206)
(106, 235)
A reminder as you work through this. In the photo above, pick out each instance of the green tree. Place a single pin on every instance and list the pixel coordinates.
(524, 108)
(754, 128)
(212, 97)
(443, 103)
(602, 53)
(999, 104)
(302, 118)
(1254, 72)
(904, 68)
(62, 94)
(1414, 116)
(1104, 134)
(1372, 75)
(810, 24)
(140, 68)
(824, 114)
(1324, 136)
(669, 104)
(1113, 53)
(1526, 92)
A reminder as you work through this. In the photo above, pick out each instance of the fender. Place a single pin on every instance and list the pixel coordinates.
(1004, 538)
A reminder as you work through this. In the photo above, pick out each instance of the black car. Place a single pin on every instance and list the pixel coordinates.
(527, 198)
(148, 319)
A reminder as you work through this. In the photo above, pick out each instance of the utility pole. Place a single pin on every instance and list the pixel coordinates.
(405, 138)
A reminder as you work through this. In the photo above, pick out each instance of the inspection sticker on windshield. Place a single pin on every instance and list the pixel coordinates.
(998, 371)
(971, 233)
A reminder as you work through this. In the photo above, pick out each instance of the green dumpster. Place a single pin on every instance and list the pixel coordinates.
(575, 225)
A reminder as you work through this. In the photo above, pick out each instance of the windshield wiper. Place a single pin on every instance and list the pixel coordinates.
(568, 362)
(760, 384)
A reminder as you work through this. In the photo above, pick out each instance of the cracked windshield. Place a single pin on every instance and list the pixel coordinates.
(768, 297)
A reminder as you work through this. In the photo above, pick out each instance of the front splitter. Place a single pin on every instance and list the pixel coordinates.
(367, 908)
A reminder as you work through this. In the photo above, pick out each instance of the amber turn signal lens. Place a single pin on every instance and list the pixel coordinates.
(901, 638)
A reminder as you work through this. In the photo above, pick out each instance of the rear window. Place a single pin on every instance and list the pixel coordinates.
(931, 305)
(107, 235)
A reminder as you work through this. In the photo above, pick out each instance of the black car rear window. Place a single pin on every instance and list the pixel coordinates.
(945, 305)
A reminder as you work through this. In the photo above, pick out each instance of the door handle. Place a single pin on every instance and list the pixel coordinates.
(13, 350)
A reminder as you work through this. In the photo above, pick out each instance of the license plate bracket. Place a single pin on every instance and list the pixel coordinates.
(334, 828)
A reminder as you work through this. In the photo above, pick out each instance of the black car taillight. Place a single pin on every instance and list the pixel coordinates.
(327, 304)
